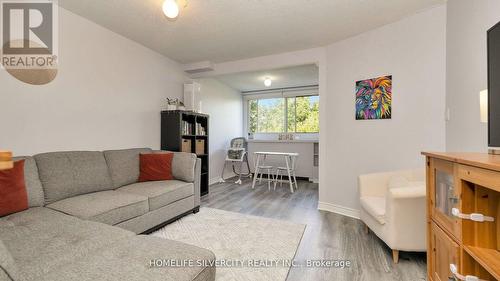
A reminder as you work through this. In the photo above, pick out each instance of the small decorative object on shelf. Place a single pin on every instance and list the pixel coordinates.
(174, 104)
(6, 160)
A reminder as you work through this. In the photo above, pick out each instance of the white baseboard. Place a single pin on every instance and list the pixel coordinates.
(341, 210)
(214, 180)
(217, 179)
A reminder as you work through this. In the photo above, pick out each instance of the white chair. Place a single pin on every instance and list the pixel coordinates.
(393, 207)
(280, 171)
(261, 168)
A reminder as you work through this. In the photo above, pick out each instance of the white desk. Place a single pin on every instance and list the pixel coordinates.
(305, 165)
(286, 155)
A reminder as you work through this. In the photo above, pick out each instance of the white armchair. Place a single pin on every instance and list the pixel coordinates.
(393, 207)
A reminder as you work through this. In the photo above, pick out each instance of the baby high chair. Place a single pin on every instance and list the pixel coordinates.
(237, 153)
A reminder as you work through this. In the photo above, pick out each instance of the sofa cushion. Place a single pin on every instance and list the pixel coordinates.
(8, 268)
(375, 206)
(42, 240)
(124, 165)
(160, 193)
(109, 207)
(183, 165)
(155, 167)
(32, 181)
(68, 174)
(13, 195)
(157, 217)
(133, 260)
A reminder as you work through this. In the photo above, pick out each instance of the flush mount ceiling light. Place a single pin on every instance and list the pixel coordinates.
(171, 9)
(268, 82)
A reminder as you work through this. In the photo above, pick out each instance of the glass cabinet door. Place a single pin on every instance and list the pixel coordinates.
(445, 196)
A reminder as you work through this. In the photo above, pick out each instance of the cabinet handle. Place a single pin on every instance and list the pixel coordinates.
(472, 217)
(454, 270)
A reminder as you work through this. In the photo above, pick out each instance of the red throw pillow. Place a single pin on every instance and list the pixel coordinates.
(13, 194)
(156, 167)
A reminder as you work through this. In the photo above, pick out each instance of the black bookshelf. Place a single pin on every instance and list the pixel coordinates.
(187, 131)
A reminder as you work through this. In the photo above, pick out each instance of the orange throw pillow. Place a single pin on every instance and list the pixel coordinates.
(13, 194)
(156, 167)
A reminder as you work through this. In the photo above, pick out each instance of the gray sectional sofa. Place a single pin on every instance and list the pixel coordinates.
(86, 211)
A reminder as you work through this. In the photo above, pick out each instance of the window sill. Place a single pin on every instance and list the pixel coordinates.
(283, 141)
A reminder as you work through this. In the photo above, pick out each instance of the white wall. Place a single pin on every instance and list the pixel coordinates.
(302, 57)
(413, 52)
(108, 94)
(467, 24)
(224, 105)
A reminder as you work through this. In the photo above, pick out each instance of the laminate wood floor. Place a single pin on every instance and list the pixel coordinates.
(328, 236)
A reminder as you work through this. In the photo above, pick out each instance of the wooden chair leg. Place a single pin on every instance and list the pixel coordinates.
(395, 256)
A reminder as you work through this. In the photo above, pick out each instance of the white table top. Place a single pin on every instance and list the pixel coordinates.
(276, 153)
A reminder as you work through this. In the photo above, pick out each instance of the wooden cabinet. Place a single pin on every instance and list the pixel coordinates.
(444, 252)
(463, 208)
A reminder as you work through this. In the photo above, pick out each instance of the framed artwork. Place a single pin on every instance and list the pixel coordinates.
(374, 98)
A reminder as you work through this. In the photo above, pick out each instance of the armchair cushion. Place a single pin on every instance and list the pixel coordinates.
(375, 206)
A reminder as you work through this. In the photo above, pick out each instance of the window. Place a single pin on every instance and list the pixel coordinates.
(298, 114)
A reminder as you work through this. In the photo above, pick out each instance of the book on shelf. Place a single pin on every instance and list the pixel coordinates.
(200, 130)
(187, 128)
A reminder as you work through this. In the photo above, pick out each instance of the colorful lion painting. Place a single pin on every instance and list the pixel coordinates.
(374, 98)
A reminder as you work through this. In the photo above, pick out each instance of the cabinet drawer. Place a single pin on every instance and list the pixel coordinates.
(445, 251)
(483, 177)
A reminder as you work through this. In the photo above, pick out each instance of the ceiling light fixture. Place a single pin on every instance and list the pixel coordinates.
(268, 82)
(171, 9)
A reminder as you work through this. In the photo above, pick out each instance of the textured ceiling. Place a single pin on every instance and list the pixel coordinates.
(225, 30)
(304, 75)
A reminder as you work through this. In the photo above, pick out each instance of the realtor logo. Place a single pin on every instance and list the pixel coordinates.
(29, 40)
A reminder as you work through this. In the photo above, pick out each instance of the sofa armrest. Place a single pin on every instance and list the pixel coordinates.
(377, 184)
(406, 218)
(373, 184)
(407, 192)
(197, 182)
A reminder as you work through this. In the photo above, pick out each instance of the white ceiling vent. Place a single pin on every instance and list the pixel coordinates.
(198, 67)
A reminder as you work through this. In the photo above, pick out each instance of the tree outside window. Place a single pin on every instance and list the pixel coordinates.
(280, 115)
